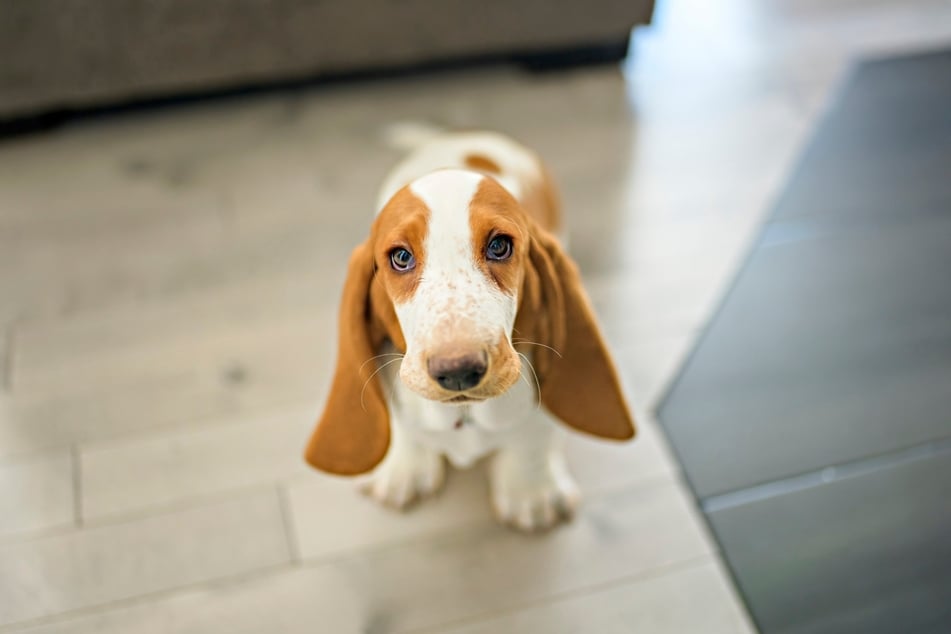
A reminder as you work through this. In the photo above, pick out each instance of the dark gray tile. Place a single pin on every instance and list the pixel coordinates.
(883, 151)
(835, 341)
(827, 349)
(868, 553)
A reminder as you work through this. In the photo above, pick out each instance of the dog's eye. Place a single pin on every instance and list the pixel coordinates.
(499, 248)
(402, 260)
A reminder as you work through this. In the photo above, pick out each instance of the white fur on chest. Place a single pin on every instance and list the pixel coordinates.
(463, 433)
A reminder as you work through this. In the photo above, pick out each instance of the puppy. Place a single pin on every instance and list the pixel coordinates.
(465, 333)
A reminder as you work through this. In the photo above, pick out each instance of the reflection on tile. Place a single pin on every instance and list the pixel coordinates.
(697, 598)
(475, 571)
(331, 517)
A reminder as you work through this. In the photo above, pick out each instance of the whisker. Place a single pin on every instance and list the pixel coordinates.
(380, 356)
(538, 386)
(377, 371)
(535, 343)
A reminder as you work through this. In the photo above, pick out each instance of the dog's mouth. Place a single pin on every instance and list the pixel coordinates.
(462, 398)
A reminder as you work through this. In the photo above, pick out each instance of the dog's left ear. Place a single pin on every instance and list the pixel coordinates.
(579, 385)
(353, 434)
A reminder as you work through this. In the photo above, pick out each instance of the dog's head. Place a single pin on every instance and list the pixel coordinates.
(453, 268)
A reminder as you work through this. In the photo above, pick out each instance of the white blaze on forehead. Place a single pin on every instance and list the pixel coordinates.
(454, 302)
(447, 193)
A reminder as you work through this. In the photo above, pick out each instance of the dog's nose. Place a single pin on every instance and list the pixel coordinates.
(457, 373)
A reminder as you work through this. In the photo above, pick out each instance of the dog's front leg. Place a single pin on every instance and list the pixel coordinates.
(531, 487)
(409, 472)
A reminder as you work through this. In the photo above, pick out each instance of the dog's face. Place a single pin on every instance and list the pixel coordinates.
(450, 251)
(452, 268)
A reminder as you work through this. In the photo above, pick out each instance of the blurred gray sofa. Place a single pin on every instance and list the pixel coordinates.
(63, 54)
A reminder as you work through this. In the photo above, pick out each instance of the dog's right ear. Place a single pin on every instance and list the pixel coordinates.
(353, 433)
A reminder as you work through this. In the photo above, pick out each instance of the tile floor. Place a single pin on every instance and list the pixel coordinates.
(170, 280)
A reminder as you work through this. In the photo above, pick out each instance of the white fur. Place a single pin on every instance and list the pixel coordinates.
(531, 487)
(518, 164)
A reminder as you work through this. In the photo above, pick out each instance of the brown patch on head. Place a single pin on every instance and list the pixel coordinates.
(542, 202)
(493, 211)
(402, 224)
(482, 163)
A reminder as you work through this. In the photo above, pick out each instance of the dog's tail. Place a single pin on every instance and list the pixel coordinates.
(410, 135)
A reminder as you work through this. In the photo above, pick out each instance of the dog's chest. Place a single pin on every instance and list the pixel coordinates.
(463, 434)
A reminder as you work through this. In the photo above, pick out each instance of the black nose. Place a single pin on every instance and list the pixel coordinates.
(457, 373)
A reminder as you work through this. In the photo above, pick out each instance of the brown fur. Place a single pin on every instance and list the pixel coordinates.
(542, 202)
(482, 163)
(579, 383)
(494, 211)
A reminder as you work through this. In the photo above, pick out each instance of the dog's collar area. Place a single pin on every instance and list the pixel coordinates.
(463, 420)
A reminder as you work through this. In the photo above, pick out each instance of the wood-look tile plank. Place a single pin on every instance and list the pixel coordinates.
(36, 492)
(132, 474)
(233, 371)
(97, 565)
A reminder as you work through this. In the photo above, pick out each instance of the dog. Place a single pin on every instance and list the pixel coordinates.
(465, 333)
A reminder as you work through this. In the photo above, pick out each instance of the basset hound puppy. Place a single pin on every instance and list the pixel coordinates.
(465, 333)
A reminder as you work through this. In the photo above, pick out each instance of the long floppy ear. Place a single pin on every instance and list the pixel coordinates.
(579, 384)
(353, 433)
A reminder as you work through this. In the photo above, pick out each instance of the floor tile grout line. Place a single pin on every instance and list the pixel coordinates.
(7, 375)
(657, 479)
(291, 566)
(301, 563)
(197, 425)
(290, 529)
(77, 474)
(826, 475)
(635, 578)
(177, 506)
(486, 521)
(182, 504)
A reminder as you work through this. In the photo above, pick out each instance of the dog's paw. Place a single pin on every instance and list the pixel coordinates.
(533, 500)
(407, 477)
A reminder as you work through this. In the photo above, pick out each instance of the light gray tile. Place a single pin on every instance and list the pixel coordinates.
(486, 569)
(4, 358)
(290, 601)
(331, 517)
(65, 359)
(96, 565)
(234, 372)
(470, 572)
(36, 492)
(136, 473)
(697, 598)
